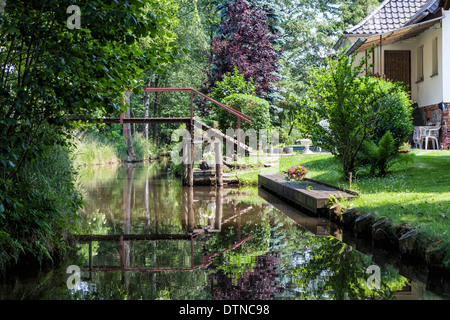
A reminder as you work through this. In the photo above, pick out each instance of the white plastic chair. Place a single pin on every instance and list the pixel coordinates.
(417, 138)
(433, 134)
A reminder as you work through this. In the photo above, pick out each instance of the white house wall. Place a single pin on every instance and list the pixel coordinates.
(430, 90)
(446, 61)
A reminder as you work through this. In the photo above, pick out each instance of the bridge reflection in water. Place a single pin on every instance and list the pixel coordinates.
(212, 199)
(153, 224)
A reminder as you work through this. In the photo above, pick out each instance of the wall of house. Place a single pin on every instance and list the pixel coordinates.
(430, 90)
(432, 94)
(446, 54)
(445, 132)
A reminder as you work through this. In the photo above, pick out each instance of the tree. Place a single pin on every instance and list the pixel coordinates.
(232, 83)
(245, 41)
(311, 28)
(344, 109)
(49, 72)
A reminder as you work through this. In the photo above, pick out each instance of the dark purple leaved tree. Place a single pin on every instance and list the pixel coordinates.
(244, 40)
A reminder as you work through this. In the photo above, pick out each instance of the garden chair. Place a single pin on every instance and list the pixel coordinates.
(417, 137)
(433, 134)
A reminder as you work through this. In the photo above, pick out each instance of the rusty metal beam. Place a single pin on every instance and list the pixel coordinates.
(230, 110)
(134, 120)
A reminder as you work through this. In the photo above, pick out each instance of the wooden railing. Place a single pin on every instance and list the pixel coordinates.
(240, 116)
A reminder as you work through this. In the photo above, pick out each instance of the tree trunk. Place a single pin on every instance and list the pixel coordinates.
(146, 111)
(155, 110)
(131, 154)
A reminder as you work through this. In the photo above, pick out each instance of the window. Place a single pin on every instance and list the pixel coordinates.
(420, 64)
(434, 57)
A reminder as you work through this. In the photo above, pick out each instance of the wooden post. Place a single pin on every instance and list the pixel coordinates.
(192, 109)
(191, 213)
(91, 264)
(219, 159)
(219, 209)
(184, 209)
(350, 181)
(186, 160)
(238, 136)
(191, 159)
(188, 156)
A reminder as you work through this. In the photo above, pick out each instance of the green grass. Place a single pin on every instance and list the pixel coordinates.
(95, 149)
(415, 194)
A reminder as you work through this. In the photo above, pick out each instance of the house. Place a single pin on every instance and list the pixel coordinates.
(412, 45)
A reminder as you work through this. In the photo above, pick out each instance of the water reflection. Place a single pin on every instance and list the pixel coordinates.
(145, 236)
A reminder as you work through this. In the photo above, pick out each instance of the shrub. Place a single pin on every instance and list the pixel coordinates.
(397, 118)
(354, 107)
(232, 83)
(38, 211)
(380, 157)
(257, 108)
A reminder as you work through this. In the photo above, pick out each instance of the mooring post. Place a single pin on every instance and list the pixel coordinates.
(219, 209)
(191, 156)
(186, 160)
(219, 159)
(237, 147)
(191, 212)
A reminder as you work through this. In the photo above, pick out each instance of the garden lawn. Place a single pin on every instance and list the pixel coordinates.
(415, 193)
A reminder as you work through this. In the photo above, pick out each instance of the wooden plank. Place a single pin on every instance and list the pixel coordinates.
(309, 194)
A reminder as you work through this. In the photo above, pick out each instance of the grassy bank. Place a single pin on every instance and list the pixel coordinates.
(415, 194)
(96, 149)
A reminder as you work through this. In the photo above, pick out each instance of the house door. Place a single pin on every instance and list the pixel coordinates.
(397, 66)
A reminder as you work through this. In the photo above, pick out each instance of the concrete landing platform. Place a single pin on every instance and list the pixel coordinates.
(310, 194)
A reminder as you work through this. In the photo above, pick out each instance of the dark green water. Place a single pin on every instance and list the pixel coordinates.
(144, 236)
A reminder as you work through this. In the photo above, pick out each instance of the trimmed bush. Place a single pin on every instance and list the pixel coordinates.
(397, 118)
(257, 108)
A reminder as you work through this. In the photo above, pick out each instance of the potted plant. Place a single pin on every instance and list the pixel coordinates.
(296, 173)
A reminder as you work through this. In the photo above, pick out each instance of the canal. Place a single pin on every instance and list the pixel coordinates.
(142, 235)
